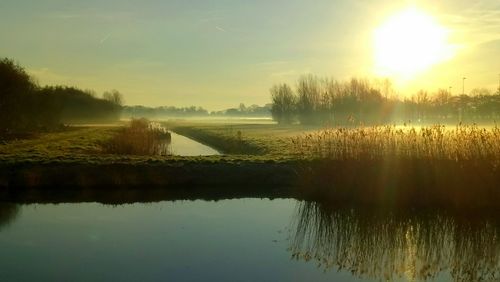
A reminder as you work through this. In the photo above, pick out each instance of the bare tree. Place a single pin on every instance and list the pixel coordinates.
(309, 98)
(283, 107)
(442, 97)
(477, 92)
(114, 97)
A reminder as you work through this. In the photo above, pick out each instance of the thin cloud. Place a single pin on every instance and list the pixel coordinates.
(220, 28)
(477, 25)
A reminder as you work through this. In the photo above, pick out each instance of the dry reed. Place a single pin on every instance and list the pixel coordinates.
(461, 143)
(141, 137)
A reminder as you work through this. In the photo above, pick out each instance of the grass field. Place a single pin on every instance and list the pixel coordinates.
(70, 143)
(255, 142)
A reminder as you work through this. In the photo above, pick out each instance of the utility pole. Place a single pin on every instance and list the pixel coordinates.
(449, 90)
(463, 85)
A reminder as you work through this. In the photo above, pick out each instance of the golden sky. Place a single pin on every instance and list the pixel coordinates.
(219, 53)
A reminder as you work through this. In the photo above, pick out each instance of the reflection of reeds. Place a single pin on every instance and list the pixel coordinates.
(8, 213)
(388, 245)
(464, 142)
(141, 137)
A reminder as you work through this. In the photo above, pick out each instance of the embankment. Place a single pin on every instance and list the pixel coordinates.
(128, 182)
(401, 183)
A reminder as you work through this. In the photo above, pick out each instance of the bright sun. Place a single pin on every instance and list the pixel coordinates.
(410, 43)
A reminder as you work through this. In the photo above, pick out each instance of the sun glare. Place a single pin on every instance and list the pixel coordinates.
(410, 43)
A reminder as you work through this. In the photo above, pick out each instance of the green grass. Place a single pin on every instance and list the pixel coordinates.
(257, 142)
(86, 145)
(66, 144)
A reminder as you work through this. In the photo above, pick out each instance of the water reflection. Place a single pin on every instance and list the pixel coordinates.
(8, 213)
(184, 146)
(389, 245)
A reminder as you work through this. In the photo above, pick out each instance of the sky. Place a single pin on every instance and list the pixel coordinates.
(219, 53)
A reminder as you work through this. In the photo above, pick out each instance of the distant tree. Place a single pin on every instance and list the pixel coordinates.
(328, 98)
(309, 98)
(243, 108)
(24, 106)
(476, 92)
(283, 104)
(17, 90)
(387, 89)
(81, 106)
(421, 98)
(442, 97)
(441, 104)
(358, 101)
(232, 112)
(14, 77)
(114, 97)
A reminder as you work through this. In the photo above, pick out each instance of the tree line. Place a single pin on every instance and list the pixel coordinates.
(317, 100)
(193, 111)
(25, 106)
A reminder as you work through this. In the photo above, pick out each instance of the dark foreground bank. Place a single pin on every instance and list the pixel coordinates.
(376, 182)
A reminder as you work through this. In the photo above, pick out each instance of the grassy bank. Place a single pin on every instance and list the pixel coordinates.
(401, 182)
(72, 143)
(412, 184)
(148, 180)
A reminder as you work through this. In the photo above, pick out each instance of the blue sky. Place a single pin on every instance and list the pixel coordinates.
(220, 53)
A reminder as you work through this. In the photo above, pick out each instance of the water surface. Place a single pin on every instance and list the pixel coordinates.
(183, 146)
(239, 240)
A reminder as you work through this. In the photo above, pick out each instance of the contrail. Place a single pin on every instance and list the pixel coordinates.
(104, 39)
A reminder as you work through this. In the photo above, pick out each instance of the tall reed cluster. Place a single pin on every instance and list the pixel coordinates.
(140, 137)
(460, 143)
